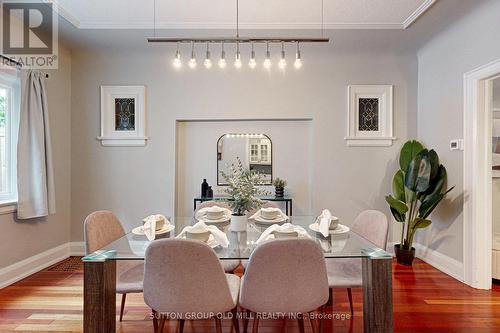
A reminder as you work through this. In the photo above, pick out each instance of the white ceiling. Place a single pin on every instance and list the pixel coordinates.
(254, 14)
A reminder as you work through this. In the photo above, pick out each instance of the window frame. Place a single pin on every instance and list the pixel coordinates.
(13, 86)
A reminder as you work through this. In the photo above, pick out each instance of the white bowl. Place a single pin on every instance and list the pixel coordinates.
(270, 213)
(160, 223)
(215, 212)
(199, 236)
(286, 234)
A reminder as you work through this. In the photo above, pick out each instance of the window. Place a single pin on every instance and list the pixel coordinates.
(9, 112)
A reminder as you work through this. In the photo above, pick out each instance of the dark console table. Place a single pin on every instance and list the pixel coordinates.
(285, 199)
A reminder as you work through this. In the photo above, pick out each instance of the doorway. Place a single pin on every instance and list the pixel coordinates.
(478, 131)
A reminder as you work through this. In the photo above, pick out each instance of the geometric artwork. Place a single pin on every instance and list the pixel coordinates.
(124, 114)
(368, 114)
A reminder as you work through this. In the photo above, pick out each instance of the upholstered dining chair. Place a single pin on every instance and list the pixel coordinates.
(229, 265)
(197, 285)
(345, 272)
(284, 276)
(102, 228)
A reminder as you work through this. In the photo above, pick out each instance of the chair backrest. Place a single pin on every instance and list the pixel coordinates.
(100, 229)
(286, 276)
(373, 226)
(212, 203)
(185, 276)
(266, 204)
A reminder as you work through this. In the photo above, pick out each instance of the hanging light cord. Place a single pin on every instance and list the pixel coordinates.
(322, 10)
(154, 18)
(237, 19)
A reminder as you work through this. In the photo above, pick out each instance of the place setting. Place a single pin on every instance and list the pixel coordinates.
(269, 215)
(214, 214)
(153, 226)
(208, 234)
(326, 225)
(287, 230)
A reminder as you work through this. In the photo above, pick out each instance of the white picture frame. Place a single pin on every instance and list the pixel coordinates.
(375, 104)
(129, 130)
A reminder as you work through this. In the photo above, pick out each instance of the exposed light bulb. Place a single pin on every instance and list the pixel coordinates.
(267, 61)
(208, 62)
(192, 61)
(252, 63)
(237, 59)
(282, 63)
(298, 61)
(177, 60)
(222, 60)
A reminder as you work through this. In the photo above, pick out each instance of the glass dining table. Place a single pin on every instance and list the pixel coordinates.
(100, 269)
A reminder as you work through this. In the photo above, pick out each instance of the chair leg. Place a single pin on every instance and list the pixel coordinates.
(313, 321)
(155, 320)
(181, 325)
(300, 320)
(349, 294)
(236, 323)
(322, 318)
(161, 324)
(122, 307)
(246, 318)
(255, 327)
(218, 325)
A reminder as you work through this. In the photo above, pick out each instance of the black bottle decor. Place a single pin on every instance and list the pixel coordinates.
(204, 188)
(210, 192)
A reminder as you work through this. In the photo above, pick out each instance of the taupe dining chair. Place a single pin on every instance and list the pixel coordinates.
(229, 265)
(102, 228)
(284, 276)
(346, 273)
(197, 285)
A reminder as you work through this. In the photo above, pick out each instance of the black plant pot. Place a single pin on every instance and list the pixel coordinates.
(404, 257)
(279, 192)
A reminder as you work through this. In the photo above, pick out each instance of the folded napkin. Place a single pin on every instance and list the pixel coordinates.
(324, 222)
(219, 236)
(149, 225)
(257, 214)
(287, 227)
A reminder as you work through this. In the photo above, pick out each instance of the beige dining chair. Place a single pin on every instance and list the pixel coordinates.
(197, 285)
(102, 228)
(284, 276)
(229, 265)
(346, 272)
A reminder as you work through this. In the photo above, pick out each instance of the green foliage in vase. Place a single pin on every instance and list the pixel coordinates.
(417, 189)
(279, 183)
(242, 188)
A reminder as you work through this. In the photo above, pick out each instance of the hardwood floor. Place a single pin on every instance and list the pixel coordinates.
(425, 300)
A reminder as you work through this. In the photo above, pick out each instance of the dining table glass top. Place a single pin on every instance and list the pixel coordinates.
(241, 244)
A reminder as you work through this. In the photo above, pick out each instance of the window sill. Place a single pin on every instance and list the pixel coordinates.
(8, 207)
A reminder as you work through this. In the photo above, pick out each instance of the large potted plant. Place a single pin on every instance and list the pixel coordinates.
(418, 187)
(243, 193)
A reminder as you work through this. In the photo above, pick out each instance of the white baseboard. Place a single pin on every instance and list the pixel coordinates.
(76, 248)
(31, 265)
(445, 264)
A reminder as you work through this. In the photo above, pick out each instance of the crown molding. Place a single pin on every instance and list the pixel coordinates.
(418, 12)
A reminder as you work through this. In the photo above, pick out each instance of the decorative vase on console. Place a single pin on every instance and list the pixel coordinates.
(204, 188)
(243, 193)
(279, 187)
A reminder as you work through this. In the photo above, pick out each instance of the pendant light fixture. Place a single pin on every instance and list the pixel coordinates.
(177, 62)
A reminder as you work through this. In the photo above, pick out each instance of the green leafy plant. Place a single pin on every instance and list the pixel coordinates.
(279, 183)
(242, 188)
(417, 189)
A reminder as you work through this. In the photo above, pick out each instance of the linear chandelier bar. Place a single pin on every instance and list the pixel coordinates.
(239, 40)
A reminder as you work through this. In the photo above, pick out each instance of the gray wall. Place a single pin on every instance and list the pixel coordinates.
(20, 239)
(135, 182)
(465, 45)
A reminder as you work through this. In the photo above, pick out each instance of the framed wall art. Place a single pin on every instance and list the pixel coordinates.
(123, 116)
(369, 120)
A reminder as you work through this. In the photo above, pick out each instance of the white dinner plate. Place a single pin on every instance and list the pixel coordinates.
(341, 229)
(262, 220)
(206, 220)
(166, 228)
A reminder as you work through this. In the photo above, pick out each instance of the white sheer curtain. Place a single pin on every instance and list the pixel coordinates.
(35, 176)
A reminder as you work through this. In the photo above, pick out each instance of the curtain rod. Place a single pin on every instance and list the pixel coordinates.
(18, 64)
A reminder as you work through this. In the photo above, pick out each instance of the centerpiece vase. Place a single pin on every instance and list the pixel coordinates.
(238, 222)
